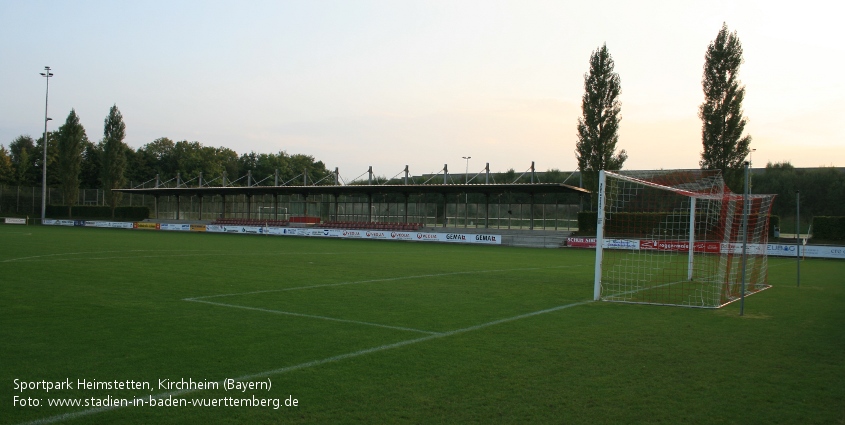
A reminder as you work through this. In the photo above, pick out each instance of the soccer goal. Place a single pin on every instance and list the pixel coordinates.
(676, 238)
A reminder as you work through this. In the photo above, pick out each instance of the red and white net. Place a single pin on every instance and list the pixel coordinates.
(675, 238)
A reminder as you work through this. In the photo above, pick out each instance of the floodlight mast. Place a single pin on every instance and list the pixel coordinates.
(46, 74)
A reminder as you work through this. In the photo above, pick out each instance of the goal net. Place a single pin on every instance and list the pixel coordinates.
(676, 238)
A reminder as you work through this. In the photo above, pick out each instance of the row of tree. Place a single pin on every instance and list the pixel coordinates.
(821, 189)
(724, 145)
(74, 162)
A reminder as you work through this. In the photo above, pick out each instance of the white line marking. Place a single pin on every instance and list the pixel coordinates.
(201, 254)
(279, 371)
(92, 252)
(389, 279)
(312, 316)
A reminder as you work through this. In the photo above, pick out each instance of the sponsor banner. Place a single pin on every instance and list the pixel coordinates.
(198, 227)
(427, 237)
(315, 232)
(376, 234)
(50, 222)
(251, 230)
(707, 247)
(10, 220)
(451, 237)
(736, 248)
(254, 230)
(66, 223)
(810, 251)
(775, 250)
(79, 222)
(354, 234)
(818, 251)
(487, 239)
(120, 225)
(96, 223)
(145, 225)
(780, 250)
(469, 238)
(175, 227)
(581, 242)
(621, 244)
(402, 236)
(332, 233)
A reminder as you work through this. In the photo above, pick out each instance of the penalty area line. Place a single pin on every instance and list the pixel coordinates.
(313, 316)
(388, 279)
(73, 415)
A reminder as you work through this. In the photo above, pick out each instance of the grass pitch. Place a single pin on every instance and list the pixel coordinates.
(391, 332)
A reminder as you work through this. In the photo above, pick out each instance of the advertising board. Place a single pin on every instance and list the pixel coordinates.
(175, 226)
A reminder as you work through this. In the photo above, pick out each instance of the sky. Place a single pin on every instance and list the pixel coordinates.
(422, 83)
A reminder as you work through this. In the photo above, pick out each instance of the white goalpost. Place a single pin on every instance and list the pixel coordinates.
(674, 237)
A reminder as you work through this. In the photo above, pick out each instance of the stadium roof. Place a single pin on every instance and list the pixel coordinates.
(487, 189)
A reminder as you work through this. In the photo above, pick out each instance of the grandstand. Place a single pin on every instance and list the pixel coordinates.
(436, 205)
(352, 225)
(250, 222)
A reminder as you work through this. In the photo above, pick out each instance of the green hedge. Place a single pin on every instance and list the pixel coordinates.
(638, 223)
(97, 212)
(587, 222)
(829, 228)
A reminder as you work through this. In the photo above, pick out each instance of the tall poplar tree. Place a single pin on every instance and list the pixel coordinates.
(722, 123)
(113, 158)
(598, 127)
(71, 142)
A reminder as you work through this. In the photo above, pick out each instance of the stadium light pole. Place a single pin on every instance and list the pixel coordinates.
(466, 181)
(750, 166)
(46, 74)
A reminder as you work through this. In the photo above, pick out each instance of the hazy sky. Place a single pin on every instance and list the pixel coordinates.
(423, 83)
